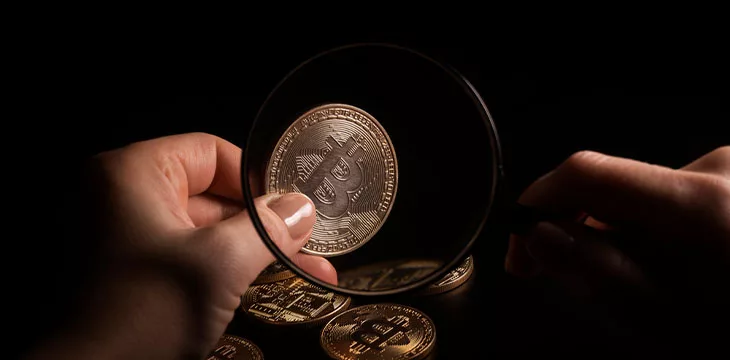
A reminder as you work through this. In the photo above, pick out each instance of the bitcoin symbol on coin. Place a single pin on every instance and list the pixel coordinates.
(232, 347)
(225, 351)
(335, 177)
(292, 301)
(376, 334)
(343, 159)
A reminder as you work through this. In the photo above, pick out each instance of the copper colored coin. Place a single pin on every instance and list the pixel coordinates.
(231, 347)
(274, 272)
(342, 158)
(453, 278)
(379, 331)
(293, 301)
(387, 275)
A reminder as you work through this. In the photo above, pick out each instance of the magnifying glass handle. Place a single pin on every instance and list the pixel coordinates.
(524, 218)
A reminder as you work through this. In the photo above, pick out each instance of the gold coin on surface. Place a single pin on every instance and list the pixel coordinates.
(453, 278)
(276, 271)
(231, 347)
(387, 275)
(379, 331)
(343, 159)
(293, 301)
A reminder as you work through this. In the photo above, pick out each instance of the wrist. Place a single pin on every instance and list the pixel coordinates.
(134, 316)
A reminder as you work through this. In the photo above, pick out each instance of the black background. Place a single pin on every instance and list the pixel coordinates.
(658, 96)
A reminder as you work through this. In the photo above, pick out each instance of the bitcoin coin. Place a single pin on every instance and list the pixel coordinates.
(453, 278)
(343, 159)
(379, 331)
(274, 272)
(231, 347)
(387, 275)
(293, 301)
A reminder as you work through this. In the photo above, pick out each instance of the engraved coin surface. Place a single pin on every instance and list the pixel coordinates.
(342, 158)
(292, 301)
(231, 347)
(274, 272)
(379, 331)
(453, 278)
(387, 275)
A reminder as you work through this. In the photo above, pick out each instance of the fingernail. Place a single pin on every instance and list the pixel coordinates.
(548, 241)
(518, 262)
(297, 211)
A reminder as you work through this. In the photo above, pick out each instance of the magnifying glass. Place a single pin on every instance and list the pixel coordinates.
(397, 151)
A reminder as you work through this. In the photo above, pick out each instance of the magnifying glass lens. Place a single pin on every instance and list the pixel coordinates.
(398, 154)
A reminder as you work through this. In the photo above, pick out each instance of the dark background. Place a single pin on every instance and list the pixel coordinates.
(659, 97)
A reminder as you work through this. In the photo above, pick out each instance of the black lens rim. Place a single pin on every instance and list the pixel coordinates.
(497, 179)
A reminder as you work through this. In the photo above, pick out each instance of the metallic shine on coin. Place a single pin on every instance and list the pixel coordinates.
(379, 331)
(453, 278)
(276, 271)
(387, 275)
(293, 301)
(342, 158)
(231, 347)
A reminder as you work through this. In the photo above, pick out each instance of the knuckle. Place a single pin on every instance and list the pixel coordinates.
(202, 135)
(583, 161)
(723, 152)
(714, 162)
(721, 189)
(713, 187)
(198, 137)
(274, 226)
(713, 192)
(218, 246)
(721, 156)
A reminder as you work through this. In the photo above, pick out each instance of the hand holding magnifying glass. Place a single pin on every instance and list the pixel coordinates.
(174, 250)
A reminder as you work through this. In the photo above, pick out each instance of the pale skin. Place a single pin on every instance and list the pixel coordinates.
(664, 265)
(179, 250)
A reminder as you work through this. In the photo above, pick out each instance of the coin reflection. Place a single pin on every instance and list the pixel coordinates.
(276, 271)
(292, 301)
(453, 279)
(387, 275)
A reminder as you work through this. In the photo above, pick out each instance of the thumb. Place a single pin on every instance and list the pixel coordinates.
(288, 220)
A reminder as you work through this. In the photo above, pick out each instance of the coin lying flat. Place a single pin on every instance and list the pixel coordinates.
(276, 271)
(387, 275)
(292, 301)
(343, 159)
(231, 347)
(379, 331)
(453, 278)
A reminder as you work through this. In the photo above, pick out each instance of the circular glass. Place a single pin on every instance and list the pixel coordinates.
(398, 153)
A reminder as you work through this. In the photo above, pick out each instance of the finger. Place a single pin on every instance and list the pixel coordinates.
(518, 262)
(574, 251)
(715, 162)
(206, 209)
(610, 190)
(187, 165)
(288, 221)
(592, 222)
(316, 266)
